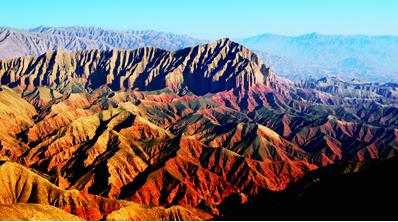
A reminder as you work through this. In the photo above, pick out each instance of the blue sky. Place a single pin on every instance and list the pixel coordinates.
(210, 18)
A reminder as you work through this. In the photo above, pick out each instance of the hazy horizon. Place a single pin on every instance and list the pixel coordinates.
(211, 19)
(211, 39)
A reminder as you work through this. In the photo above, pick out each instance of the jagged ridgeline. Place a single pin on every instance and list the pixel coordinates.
(17, 43)
(211, 68)
(312, 55)
(102, 133)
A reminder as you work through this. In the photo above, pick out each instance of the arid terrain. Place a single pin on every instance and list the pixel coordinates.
(204, 132)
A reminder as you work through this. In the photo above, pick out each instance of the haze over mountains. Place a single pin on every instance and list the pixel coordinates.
(364, 58)
(36, 41)
(367, 58)
(151, 134)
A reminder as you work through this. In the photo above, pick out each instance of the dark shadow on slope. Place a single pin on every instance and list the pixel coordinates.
(77, 166)
(129, 189)
(326, 194)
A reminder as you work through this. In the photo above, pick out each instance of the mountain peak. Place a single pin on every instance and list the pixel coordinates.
(225, 39)
(224, 42)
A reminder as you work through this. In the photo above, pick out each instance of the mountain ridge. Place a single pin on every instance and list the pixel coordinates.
(237, 68)
(36, 41)
(312, 55)
(183, 130)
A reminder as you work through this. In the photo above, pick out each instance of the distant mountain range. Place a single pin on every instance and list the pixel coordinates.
(36, 41)
(366, 58)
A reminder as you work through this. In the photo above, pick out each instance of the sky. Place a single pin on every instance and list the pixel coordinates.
(210, 19)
